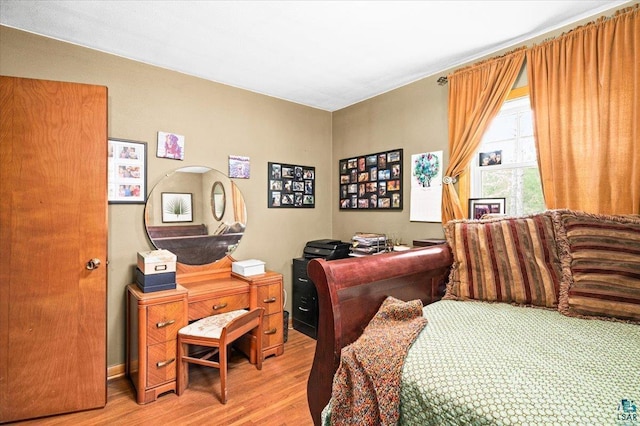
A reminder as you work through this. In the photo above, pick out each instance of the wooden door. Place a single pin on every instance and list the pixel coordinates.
(53, 220)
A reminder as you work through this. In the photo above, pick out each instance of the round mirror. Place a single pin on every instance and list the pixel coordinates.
(197, 213)
(218, 200)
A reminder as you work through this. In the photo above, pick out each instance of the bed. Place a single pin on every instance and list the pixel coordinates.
(192, 244)
(490, 358)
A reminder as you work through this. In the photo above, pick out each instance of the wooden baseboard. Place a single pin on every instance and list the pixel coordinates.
(115, 371)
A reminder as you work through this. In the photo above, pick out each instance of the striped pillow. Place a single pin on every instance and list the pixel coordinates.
(512, 260)
(600, 257)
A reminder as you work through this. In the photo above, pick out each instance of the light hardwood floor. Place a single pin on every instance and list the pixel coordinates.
(276, 395)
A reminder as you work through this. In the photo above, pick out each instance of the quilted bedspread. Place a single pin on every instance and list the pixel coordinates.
(478, 363)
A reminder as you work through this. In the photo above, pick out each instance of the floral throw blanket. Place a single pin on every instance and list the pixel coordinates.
(366, 387)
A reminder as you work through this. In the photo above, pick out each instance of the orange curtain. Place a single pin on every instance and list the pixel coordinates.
(585, 95)
(476, 95)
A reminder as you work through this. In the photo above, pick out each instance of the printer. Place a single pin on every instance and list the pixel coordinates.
(326, 249)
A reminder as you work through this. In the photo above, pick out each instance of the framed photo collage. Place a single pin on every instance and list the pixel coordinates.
(291, 186)
(372, 181)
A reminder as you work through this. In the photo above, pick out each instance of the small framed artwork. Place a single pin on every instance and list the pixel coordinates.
(177, 207)
(291, 186)
(127, 171)
(170, 145)
(372, 181)
(239, 167)
(492, 158)
(478, 207)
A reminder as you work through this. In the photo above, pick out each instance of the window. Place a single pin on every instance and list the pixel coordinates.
(505, 165)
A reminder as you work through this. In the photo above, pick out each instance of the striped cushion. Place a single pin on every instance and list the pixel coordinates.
(512, 260)
(600, 258)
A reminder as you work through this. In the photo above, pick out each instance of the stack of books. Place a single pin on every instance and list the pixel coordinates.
(363, 244)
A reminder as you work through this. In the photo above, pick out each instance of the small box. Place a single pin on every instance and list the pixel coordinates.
(155, 282)
(156, 262)
(248, 267)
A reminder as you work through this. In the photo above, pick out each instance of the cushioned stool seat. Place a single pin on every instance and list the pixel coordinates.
(217, 332)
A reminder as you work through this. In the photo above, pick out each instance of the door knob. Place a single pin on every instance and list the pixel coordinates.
(93, 263)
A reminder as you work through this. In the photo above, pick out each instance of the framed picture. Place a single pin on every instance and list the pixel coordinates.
(490, 158)
(127, 171)
(291, 186)
(177, 207)
(479, 207)
(239, 167)
(170, 145)
(372, 181)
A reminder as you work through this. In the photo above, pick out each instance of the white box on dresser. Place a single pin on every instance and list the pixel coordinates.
(156, 262)
(248, 267)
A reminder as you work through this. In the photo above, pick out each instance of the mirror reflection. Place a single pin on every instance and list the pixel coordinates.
(214, 224)
(218, 200)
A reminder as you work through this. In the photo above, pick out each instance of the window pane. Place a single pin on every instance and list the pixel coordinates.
(502, 127)
(527, 150)
(515, 176)
(520, 186)
(526, 123)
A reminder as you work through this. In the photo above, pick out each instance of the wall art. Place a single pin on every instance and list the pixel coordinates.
(479, 207)
(239, 167)
(177, 207)
(291, 186)
(372, 181)
(426, 187)
(127, 172)
(170, 145)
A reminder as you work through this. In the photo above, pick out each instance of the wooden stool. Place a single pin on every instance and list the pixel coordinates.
(217, 332)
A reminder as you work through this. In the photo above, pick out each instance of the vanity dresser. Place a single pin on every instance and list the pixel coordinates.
(205, 285)
(153, 319)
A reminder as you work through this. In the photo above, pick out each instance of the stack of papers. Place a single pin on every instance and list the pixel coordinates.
(367, 243)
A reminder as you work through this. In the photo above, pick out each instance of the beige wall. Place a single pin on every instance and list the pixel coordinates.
(217, 121)
(414, 118)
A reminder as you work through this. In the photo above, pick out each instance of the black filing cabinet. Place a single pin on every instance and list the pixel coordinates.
(305, 300)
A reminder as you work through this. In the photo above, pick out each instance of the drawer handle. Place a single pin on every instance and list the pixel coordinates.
(303, 309)
(303, 280)
(269, 300)
(165, 363)
(271, 331)
(220, 306)
(165, 323)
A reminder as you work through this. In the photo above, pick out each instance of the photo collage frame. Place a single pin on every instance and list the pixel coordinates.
(291, 186)
(127, 171)
(372, 181)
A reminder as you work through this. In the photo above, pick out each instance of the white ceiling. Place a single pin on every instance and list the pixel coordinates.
(324, 54)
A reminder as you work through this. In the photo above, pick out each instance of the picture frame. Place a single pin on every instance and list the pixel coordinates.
(177, 207)
(170, 145)
(291, 186)
(126, 171)
(479, 207)
(239, 167)
(371, 181)
(491, 158)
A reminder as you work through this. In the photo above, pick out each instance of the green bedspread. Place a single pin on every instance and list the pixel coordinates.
(495, 364)
(478, 363)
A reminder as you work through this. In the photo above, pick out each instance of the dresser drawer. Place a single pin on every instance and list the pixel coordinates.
(164, 321)
(161, 363)
(270, 298)
(272, 333)
(217, 305)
